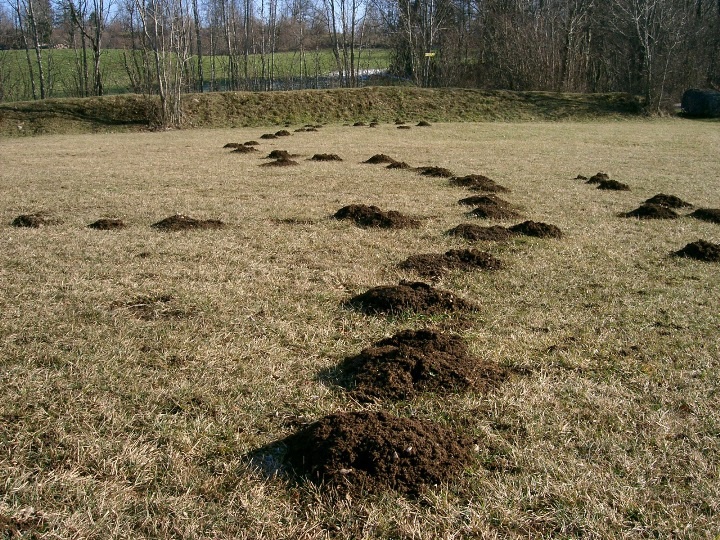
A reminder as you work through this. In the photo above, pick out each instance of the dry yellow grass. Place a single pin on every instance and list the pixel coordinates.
(115, 425)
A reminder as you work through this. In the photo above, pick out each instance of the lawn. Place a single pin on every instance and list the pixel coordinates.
(147, 375)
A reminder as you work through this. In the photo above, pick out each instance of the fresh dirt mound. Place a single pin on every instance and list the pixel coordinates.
(597, 178)
(372, 216)
(537, 229)
(232, 145)
(107, 224)
(413, 362)
(251, 143)
(179, 222)
(671, 201)
(380, 158)
(358, 124)
(701, 250)
(707, 214)
(242, 149)
(398, 165)
(403, 127)
(478, 182)
(473, 232)
(269, 136)
(423, 123)
(283, 133)
(33, 221)
(280, 162)
(435, 172)
(651, 211)
(280, 154)
(437, 264)
(613, 185)
(375, 452)
(417, 297)
(482, 200)
(492, 211)
(326, 157)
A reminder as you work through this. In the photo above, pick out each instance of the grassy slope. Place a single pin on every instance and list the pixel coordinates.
(234, 109)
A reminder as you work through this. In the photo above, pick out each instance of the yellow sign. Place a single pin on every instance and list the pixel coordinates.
(429, 54)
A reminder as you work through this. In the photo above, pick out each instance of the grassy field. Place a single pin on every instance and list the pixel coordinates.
(124, 423)
(60, 69)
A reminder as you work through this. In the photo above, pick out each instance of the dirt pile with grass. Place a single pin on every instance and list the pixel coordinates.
(107, 224)
(416, 361)
(596, 178)
(671, 201)
(375, 452)
(372, 216)
(33, 221)
(612, 185)
(438, 264)
(707, 214)
(485, 200)
(473, 232)
(380, 158)
(537, 229)
(179, 222)
(493, 211)
(702, 250)
(435, 172)
(478, 182)
(326, 157)
(409, 296)
(651, 211)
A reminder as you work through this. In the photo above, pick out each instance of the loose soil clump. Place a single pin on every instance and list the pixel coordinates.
(671, 201)
(473, 232)
(280, 154)
(280, 162)
(597, 178)
(701, 250)
(423, 123)
(438, 264)
(482, 200)
(179, 222)
(613, 185)
(251, 143)
(492, 211)
(326, 157)
(268, 136)
(107, 224)
(232, 145)
(413, 362)
(359, 124)
(398, 165)
(372, 216)
(411, 296)
(375, 451)
(242, 149)
(707, 214)
(537, 229)
(435, 172)
(478, 182)
(651, 211)
(32, 221)
(380, 158)
(283, 133)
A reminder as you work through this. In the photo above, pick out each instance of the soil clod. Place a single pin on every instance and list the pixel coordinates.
(423, 123)
(326, 157)
(178, 222)
(478, 182)
(701, 250)
(435, 172)
(251, 143)
(707, 214)
(613, 185)
(481, 200)
(283, 133)
(358, 124)
(232, 145)
(597, 178)
(380, 158)
(107, 224)
(537, 229)
(416, 297)
(33, 221)
(375, 452)
(372, 216)
(437, 264)
(398, 165)
(280, 162)
(242, 149)
(493, 211)
(651, 211)
(269, 136)
(473, 232)
(280, 154)
(671, 201)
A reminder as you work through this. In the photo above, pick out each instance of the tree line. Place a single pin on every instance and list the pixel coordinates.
(653, 48)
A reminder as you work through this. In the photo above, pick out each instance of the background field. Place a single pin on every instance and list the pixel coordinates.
(114, 426)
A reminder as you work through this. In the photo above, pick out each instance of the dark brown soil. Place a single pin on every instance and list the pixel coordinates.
(597, 178)
(280, 162)
(283, 133)
(482, 200)
(701, 250)
(707, 214)
(372, 216)
(537, 229)
(435, 172)
(182, 223)
(613, 185)
(671, 201)
(473, 232)
(359, 124)
(413, 362)
(403, 127)
(280, 154)
(326, 157)
(232, 145)
(379, 158)
(491, 211)
(651, 211)
(478, 182)
(107, 224)
(417, 297)
(423, 123)
(251, 143)
(437, 264)
(33, 221)
(374, 452)
(269, 136)
(242, 149)
(398, 165)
